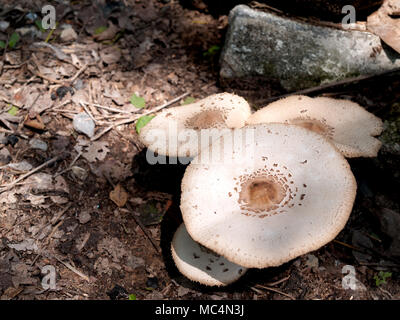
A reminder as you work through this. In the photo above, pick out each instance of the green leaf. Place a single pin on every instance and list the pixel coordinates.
(132, 296)
(13, 111)
(138, 101)
(100, 30)
(13, 40)
(212, 51)
(381, 278)
(39, 25)
(2, 45)
(142, 121)
(188, 100)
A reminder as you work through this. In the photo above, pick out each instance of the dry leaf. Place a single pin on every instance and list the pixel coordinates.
(110, 55)
(36, 123)
(119, 196)
(107, 34)
(96, 151)
(383, 25)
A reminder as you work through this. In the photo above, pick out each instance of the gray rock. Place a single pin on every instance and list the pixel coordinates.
(31, 31)
(84, 217)
(28, 244)
(134, 262)
(3, 138)
(4, 25)
(5, 156)
(84, 124)
(38, 144)
(390, 225)
(68, 34)
(312, 261)
(295, 55)
(361, 241)
(21, 166)
(79, 173)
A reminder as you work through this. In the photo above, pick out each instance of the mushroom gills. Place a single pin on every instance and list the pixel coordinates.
(200, 264)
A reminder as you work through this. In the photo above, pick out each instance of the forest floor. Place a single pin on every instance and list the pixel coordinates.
(63, 215)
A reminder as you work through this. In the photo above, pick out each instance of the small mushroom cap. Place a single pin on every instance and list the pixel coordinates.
(349, 126)
(284, 194)
(201, 264)
(176, 131)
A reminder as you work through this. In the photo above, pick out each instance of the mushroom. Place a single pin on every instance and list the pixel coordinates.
(349, 126)
(182, 131)
(201, 264)
(284, 193)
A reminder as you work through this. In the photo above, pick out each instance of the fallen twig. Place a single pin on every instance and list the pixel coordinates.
(88, 112)
(58, 216)
(272, 284)
(143, 228)
(107, 108)
(51, 106)
(367, 251)
(70, 166)
(271, 289)
(72, 80)
(73, 269)
(12, 184)
(57, 52)
(134, 118)
(333, 84)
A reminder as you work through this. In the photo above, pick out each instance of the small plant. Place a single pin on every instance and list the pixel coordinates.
(39, 25)
(188, 100)
(132, 296)
(381, 277)
(142, 121)
(212, 51)
(12, 42)
(100, 30)
(13, 110)
(138, 101)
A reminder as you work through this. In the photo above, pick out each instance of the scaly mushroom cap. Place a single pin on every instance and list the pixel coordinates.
(201, 264)
(286, 192)
(349, 126)
(176, 131)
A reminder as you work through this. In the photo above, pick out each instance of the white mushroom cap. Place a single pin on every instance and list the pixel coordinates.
(286, 193)
(201, 264)
(349, 126)
(176, 131)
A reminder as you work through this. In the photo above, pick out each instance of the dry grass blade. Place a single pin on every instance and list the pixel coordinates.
(272, 284)
(271, 289)
(134, 118)
(12, 184)
(73, 269)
